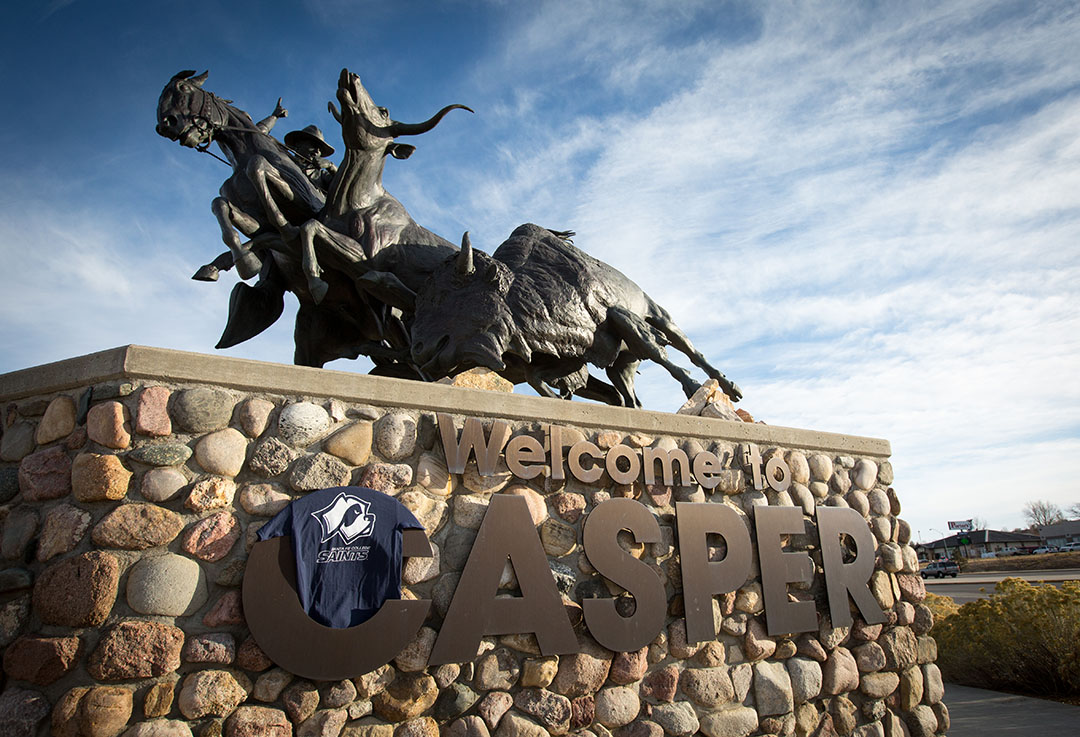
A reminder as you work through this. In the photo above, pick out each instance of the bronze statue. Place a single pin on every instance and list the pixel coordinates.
(371, 281)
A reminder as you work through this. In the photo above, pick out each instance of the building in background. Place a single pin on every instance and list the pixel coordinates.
(977, 543)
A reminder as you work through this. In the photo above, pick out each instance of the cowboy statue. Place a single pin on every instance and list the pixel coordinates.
(310, 151)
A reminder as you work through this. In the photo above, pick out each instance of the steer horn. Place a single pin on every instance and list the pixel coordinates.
(464, 261)
(396, 129)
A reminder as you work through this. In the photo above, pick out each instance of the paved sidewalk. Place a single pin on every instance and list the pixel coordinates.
(976, 712)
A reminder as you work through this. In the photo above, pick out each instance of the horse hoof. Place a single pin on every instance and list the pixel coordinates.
(209, 272)
(248, 265)
(317, 288)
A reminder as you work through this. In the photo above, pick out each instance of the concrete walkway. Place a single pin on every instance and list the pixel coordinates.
(976, 712)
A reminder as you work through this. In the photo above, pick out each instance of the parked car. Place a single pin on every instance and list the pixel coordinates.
(1070, 548)
(941, 569)
(1010, 551)
(1046, 549)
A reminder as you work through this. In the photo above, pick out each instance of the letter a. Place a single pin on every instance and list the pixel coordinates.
(475, 611)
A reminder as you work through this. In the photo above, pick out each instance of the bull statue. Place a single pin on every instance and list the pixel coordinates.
(539, 311)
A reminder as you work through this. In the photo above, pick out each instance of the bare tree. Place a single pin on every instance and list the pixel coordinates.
(1074, 511)
(978, 523)
(1041, 513)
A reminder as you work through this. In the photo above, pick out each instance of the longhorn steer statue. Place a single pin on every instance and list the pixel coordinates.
(538, 311)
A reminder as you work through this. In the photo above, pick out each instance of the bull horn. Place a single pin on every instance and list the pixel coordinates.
(465, 257)
(198, 81)
(396, 129)
(184, 74)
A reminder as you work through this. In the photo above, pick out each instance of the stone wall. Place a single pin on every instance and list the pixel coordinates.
(128, 512)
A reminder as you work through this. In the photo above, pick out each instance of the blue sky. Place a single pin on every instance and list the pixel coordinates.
(867, 214)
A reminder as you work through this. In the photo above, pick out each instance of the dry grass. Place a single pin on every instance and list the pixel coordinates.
(1044, 562)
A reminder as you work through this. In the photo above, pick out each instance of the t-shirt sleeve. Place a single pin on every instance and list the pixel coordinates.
(406, 520)
(280, 525)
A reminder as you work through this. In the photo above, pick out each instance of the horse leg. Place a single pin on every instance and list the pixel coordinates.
(622, 372)
(601, 391)
(228, 215)
(643, 341)
(680, 342)
(210, 271)
(262, 175)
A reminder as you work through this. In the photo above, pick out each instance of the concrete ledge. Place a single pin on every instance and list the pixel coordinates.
(141, 362)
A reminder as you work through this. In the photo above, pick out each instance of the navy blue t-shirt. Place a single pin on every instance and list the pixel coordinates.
(347, 544)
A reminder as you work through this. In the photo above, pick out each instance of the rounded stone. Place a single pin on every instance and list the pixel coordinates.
(158, 700)
(41, 660)
(582, 673)
(96, 478)
(865, 474)
(200, 410)
(551, 710)
(17, 442)
(538, 511)
(136, 649)
(258, 721)
(161, 454)
(168, 585)
(210, 693)
(616, 706)
(105, 710)
(58, 421)
(17, 531)
(469, 510)
(44, 475)
(498, 670)
(678, 719)
(318, 471)
(78, 591)
(351, 444)
(885, 473)
(414, 656)
(737, 722)
(395, 436)
(558, 538)
(263, 500)
(432, 474)
(137, 526)
(254, 416)
(302, 423)
(878, 501)
(152, 413)
(222, 452)
(211, 538)
(63, 529)
(840, 673)
(772, 688)
(107, 424)
(707, 687)
(162, 484)
(821, 467)
(389, 478)
(879, 685)
(407, 697)
(159, 728)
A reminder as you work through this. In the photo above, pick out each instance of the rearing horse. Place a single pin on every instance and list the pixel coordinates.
(267, 195)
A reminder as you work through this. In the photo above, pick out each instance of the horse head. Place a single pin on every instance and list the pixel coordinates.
(189, 114)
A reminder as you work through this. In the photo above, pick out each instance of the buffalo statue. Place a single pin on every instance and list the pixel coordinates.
(540, 311)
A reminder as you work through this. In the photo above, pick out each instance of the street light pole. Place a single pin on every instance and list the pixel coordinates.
(943, 542)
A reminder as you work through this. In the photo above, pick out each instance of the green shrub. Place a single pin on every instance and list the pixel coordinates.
(1023, 638)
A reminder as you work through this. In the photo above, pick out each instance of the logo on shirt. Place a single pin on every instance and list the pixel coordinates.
(347, 517)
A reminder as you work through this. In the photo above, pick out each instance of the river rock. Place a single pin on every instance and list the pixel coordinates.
(707, 687)
(17, 441)
(677, 719)
(453, 701)
(137, 526)
(162, 484)
(159, 728)
(805, 677)
(108, 424)
(739, 721)
(152, 412)
(389, 478)
(161, 454)
(254, 416)
(395, 436)
(210, 693)
(222, 452)
(432, 474)
(263, 500)
(17, 531)
(431, 513)
(493, 706)
(271, 457)
(258, 721)
(211, 492)
(879, 685)
(840, 673)
(159, 699)
(96, 478)
(414, 656)
(211, 538)
(104, 711)
(408, 696)
(41, 660)
(865, 474)
(351, 444)
(21, 710)
(44, 475)
(269, 685)
(900, 648)
(498, 670)
(200, 410)
(168, 585)
(227, 610)
(136, 649)
(302, 423)
(78, 591)
(58, 421)
(318, 471)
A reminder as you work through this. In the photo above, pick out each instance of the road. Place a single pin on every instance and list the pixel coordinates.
(971, 586)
